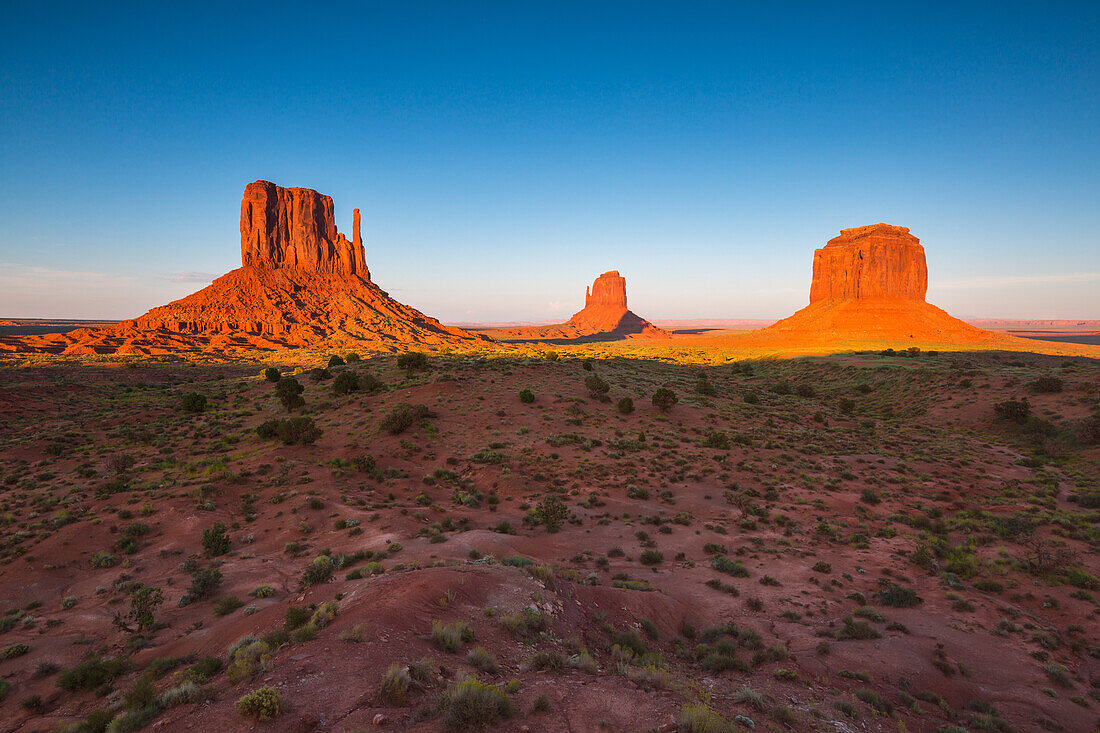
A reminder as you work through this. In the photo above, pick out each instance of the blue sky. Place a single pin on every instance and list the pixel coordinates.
(504, 154)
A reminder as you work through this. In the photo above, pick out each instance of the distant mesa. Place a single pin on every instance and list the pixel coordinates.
(870, 284)
(301, 284)
(604, 317)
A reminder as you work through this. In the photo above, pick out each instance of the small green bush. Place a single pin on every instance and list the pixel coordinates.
(404, 416)
(289, 391)
(194, 402)
(526, 396)
(215, 540)
(261, 704)
(271, 374)
(345, 383)
(626, 405)
(470, 703)
(450, 637)
(664, 399)
(412, 361)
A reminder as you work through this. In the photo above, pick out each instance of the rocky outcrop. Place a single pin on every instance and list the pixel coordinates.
(608, 291)
(301, 284)
(604, 317)
(295, 228)
(876, 261)
(869, 285)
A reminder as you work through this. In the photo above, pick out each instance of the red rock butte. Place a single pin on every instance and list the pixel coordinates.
(301, 284)
(604, 317)
(869, 284)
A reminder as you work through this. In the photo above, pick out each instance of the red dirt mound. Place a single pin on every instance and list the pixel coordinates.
(302, 284)
(604, 317)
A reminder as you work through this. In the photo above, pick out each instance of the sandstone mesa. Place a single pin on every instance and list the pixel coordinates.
(301, 284)
(605, 317)
(869, 283)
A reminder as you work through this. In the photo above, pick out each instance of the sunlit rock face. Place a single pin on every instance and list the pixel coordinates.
(876, 261)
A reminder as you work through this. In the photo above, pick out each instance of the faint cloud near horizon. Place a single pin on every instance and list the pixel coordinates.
(189, 277)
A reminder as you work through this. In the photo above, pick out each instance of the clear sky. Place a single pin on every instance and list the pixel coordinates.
(506, 153)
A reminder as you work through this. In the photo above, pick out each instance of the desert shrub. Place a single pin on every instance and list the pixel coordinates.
(696, 718)
(450, 637)
(271, 374)
(402, 417)
(704, 387)
(289, 391)
(651, 557)
(896, 596)
(1016, 411)
(482, 659)
(780, 388)
(664, 399)
(875, 700)
(846, 406)
(596, 385)
(247, 658)
(584, 661)
(92, 673)
(394, 688)
(545, 659)
(412, 361)
(345, 383)
(204, 582)
(298, 430)
(319, 570)
(227, 605)
(351, 358)
(630, 640)
(205, 669)
(261, 704)
(215, 540)
(470, 703)
(822, 567)
(625, 405)
(752, 698)
(868, 496)
(11, 651)
(856, 630)
(144, 600)
(324, 614)
(526, 396)
(550, 512)
(295, 616)
(194, 402)
(335, 361)
(716, 439)
(102, 560)
(750, 397)
(723, 564)
(1045, 385)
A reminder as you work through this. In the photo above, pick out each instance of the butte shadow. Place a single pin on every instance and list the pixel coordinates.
(301, 284)
(604, 317)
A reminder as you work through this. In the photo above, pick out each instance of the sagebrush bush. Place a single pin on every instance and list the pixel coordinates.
(395, 685)
(450, 637)
(470, 702)
(247, 658)
(194, 402)
(402, 417)
(261, 704)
